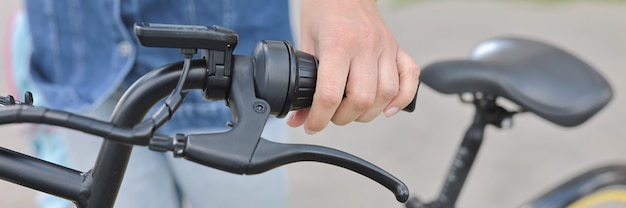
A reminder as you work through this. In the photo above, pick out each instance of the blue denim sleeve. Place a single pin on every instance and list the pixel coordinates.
(85, 50)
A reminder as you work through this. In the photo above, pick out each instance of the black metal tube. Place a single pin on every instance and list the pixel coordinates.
(130, 110)
(463, 162)
(40, 175)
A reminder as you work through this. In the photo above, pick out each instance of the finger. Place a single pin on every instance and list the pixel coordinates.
(360, 88)
(409, 73)
(387, 87)
(329, 90)
(298, 117)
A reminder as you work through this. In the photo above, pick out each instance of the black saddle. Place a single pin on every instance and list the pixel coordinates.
(538, 77)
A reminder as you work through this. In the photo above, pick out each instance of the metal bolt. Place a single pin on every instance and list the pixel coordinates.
(259, 107)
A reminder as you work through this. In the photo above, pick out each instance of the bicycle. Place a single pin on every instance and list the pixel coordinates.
(540, 79)
(253, 92)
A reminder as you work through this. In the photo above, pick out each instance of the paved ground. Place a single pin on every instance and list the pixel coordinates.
(514, 165)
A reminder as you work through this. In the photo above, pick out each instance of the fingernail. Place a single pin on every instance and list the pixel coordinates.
(309, 132)
(391, 111)
(290, 117)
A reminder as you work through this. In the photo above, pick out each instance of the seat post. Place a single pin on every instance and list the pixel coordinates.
(487, 112)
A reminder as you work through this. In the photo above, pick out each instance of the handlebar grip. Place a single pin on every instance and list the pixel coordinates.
(411, 107)
(286, 78)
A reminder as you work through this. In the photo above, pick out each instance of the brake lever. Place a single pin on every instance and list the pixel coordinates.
(241, 150)
(247, 156)
(269, 155)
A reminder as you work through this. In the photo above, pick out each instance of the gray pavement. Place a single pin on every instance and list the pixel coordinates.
(514, 165)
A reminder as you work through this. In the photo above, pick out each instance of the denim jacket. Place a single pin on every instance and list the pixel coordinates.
(85, 50)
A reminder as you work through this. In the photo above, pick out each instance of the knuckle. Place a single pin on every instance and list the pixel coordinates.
(327, 97)
(417, 71)
(411, 70)
(340, 122)
(365, 119)
(389, 91)
(415, 68)
(315, 128)
(415, 75)
(362, 101)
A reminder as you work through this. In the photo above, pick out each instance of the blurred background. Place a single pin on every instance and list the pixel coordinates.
(514, 165)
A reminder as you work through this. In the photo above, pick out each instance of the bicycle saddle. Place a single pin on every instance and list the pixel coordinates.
(539, 77)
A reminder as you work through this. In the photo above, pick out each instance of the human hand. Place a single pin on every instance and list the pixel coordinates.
(359, 57)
